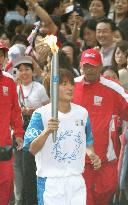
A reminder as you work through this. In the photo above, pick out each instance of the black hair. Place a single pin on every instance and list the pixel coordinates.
(50, 5)
(11, 27)
(24, 29)
(23, 5)
(4, 31)
(3, 11)
(56, 20)
(2, 28)
(123, 46)
(19, 39)
(106, 5)
(27, 64)
(10, 4)
(64, 61)
(120, 31)
(76, 52)
(63, 74)
(90, 24)
(107, 21)
(43, 35)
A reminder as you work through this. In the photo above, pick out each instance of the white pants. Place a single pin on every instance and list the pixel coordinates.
(61, 191)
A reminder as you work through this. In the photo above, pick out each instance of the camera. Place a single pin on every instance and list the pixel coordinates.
(78, 9)
(15, 74)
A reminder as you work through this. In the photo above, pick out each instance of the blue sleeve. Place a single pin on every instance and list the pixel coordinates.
(88, 130)
(34, 129)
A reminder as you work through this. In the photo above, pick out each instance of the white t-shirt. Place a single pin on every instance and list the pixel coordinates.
(34, 95)
(66, 156)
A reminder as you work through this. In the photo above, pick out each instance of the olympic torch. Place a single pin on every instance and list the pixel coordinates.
(54, 88)
(54, 84)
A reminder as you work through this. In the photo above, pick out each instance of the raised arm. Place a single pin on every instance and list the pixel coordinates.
(43, 15)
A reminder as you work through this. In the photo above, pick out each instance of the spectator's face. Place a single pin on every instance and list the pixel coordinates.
(121, 6)
(91, 73)
(117, 36)
(25, 74)
(89, 37)
(61, 8)
(69, 52)
(5, 40)
(120, 57)
(104, 34)
(41, 50)
(96, 9)
(59, 11)
(74, 18)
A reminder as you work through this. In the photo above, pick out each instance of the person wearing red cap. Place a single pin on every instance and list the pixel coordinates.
(10, 117)
(104, 99)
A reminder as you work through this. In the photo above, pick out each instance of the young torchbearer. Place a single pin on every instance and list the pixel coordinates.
(60, 165)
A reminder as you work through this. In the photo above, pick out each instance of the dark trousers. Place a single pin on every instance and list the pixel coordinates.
(29, 175)
(18, 177)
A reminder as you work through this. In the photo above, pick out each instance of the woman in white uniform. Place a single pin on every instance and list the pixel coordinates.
(60, 165)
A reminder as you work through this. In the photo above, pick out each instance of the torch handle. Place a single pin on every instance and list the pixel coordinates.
(54, 88)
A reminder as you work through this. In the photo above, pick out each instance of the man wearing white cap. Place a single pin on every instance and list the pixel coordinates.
(103, 99)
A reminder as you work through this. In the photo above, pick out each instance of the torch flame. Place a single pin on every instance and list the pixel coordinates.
(51, 40)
